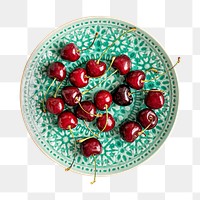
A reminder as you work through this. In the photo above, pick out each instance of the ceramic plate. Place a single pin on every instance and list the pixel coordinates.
(145, 53)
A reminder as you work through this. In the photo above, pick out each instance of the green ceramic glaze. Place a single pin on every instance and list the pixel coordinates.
(144, 52)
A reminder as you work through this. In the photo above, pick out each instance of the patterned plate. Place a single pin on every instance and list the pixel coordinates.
(144, 52)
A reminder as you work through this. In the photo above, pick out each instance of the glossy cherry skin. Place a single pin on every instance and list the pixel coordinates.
(71, 95)
(154, 99)
(78, 77)
(57, 70)
(122, 95)
(55, 105)
(95, 69)
(101, 122)
(91, 147)
(146, 117)
(70, 52)
(87, 106)
(129, 131)
(135, 79)
(103, 98)
(123, 64)
(67, 120)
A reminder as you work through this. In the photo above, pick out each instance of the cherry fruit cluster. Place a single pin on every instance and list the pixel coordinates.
(87, 110)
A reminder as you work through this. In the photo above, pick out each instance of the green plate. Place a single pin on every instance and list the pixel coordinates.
(145, 53)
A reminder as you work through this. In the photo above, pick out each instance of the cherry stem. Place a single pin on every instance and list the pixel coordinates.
(90, 129)
(55, 94)
(132, 29)
(142, 132)
(152, 70)
(45, 95)
(75, 149)
(96, 115)
(106, 121)
(96, 35)
(84, 139)
(95, 170)
(113, 59)
(178, 61)
(86, 91)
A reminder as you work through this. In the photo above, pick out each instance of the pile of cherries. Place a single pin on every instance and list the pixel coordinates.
(87, 110)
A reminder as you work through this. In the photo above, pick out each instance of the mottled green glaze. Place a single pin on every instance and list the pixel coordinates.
(144, 52)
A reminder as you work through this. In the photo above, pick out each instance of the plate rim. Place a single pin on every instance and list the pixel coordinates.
(56, 29)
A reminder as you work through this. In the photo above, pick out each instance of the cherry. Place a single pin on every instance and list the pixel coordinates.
(123, 64)
(86, 110)
(129, 131)
(72, 53)
(95, 68)
(67, 120)
(122, 95)
(91, 147)
(57, 71)
(103, 98)
(105, 123)
(71, 95)
(154, 99)
(55, 105)
(147, 118)
(104, 79)
(135, 79)
(78, 77)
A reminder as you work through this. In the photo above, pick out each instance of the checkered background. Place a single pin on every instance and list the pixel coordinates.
(173, 173)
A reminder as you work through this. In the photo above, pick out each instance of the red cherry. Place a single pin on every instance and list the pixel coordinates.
(101, 122)
(147, 117)
(89, 112)
(67, 120)
(78, 77)
(91, 147)
(95, 68)
(123, 64)
(71, 95)
(135, 79)
(122, 95)
(57, 71)
(129, 131)
(70, 52)
(103, 98)
(154, 99)
(55, 105)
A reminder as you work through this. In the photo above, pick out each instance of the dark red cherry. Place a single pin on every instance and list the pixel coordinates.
(103, 98)
(129, 131)
(86, 111)
(57, 70)
(147, 117)
(55, 105)
(154, 99)
(91, 147)
(135, 79)
(101, 122)
(70, 52)
(122, 95)
(71, 95)
(67, 120)
(123, 64)
(78, 77)
(95, 68)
